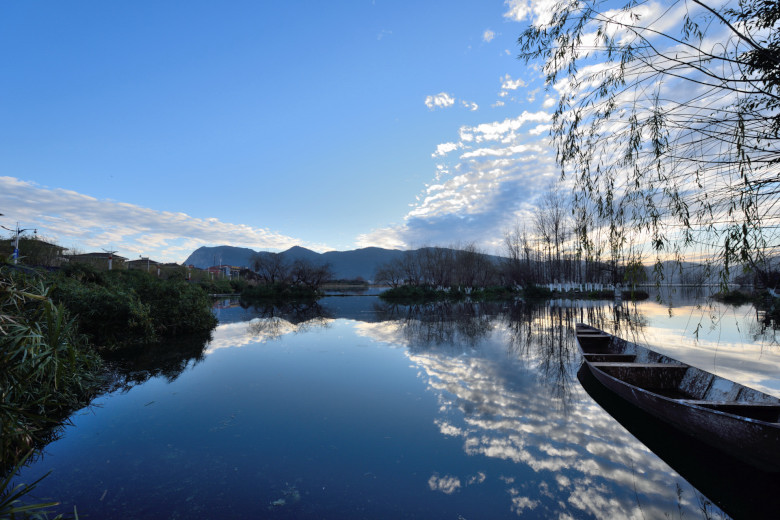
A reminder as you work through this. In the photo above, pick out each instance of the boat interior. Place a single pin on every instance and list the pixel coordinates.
(670, 378)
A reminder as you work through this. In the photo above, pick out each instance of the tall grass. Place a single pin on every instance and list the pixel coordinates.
(47, 369)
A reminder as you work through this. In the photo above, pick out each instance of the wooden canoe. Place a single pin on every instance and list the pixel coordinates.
(726, 415)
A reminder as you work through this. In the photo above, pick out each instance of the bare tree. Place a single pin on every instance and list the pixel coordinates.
(270, 267)
(303, 272)
(391, 274)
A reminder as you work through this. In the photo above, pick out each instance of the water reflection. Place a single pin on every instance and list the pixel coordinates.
(463, 409)
(449, 324)
(132, 366)
(505, 380)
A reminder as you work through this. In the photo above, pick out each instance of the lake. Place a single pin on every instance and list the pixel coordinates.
(353, 408)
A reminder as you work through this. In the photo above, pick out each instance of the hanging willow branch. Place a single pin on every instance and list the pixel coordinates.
(668, 122)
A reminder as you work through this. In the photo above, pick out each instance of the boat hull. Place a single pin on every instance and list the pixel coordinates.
(754, 441)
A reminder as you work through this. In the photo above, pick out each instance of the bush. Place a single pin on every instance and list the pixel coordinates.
(278, 292)
(47, 369)
(536, 292)
(733, 297)
(415, 294)
(120, 308)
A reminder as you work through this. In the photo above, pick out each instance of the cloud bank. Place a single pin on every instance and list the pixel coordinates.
(77, 220)
(500, 168)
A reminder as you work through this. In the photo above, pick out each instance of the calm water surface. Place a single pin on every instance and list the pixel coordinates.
(356, 409)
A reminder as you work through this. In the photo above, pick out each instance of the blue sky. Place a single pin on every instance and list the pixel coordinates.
(154, 128)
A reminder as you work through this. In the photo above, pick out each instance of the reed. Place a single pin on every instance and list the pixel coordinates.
(47, 369)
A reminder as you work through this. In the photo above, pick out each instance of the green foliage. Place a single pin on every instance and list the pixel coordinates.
(413, 294)
(536, 292)
(733, 297)
(120, 308)
(279, 292)
(110, 316)
(217, 286)
(47, 369)
(11, 495)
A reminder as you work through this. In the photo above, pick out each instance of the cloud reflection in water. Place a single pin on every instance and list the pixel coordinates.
(506, 387)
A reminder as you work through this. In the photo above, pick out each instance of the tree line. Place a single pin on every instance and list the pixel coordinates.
(276, 268)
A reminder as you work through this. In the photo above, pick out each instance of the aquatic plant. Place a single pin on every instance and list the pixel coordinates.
(11, 494)
(47, 369)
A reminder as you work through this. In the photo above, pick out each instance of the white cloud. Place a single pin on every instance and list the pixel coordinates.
(440, 100)
(503, 131)
(503, 167)
(444, 100)
(507, 83)
(446, 484)
(537, 12)
(539, 129)
(549, 102)
(75, 219)
(488, 35)
(444, 148)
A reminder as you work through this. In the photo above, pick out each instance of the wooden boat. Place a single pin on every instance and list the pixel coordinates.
(726, 415)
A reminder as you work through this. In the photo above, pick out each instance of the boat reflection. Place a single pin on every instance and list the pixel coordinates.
(740, 490)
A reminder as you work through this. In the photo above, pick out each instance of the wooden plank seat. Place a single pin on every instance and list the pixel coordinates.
(595, 357)
(623, 364)
(662, 378)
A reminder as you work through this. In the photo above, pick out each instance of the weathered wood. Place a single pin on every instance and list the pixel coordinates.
(729, 416)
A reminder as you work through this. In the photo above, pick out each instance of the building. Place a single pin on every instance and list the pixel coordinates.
(101, 261)
(224, 271)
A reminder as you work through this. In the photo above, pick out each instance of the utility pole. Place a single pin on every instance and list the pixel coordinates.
(18, 232)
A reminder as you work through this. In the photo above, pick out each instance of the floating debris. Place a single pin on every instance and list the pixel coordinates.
(290, 494)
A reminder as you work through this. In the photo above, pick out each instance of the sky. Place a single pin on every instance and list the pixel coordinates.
(154, 128)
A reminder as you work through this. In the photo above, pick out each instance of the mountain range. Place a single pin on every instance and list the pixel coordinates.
(363, 263)
(345, 264)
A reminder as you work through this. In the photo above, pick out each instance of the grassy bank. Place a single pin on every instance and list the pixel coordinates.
(53, 327)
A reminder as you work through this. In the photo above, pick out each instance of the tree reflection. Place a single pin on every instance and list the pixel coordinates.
(135, 365)
(277, 319)
(441, 324)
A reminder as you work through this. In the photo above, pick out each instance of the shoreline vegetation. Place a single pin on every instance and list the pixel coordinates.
(59, 330)
(427, 293)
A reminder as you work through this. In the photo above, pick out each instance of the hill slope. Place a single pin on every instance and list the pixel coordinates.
(345, 264)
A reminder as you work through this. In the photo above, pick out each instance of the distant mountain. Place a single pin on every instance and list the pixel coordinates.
(364, 262)
(345, 264)
(205, 257)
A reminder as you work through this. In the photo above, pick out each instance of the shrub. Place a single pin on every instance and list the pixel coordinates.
(47, 369)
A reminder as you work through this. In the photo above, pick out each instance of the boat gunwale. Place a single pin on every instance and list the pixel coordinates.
(683, 402)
